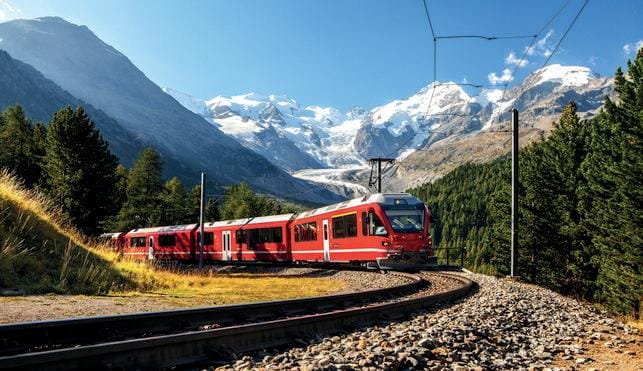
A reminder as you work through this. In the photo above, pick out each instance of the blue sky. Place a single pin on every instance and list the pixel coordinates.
(341, 52)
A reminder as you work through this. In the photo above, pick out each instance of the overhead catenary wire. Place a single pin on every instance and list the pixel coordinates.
(557, 46)
(488, 38)
(435, 38)
(521, 62)
(522, 59)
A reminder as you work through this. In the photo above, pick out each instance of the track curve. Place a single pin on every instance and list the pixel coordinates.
(193, 345)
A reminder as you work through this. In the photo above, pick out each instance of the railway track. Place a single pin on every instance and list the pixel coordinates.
(181, 337)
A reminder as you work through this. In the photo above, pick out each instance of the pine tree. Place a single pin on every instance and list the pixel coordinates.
(613, 198)
(19, 152)
(211, 207)
(122, 174)
(212, 213)
(564, 152)
(177, 205)
(81, 171)
(144, 204)
(39, 148)
(239, 202)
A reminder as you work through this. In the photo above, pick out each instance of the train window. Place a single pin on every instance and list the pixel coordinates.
(374, 222)
(137, 242)
(338, 227)
(264, 235)
(345, 226)
(312, 231)
(297, 232)
(253, 238)
(241, 236)
(350, 222)
(276, 235)
(364, 224)
(208, 238)
(167, 240)
(306, 232)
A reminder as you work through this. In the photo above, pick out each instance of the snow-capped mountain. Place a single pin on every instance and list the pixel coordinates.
(546, 91)
(322, 144)
(540, 98)
(433, 113)
(289, 135)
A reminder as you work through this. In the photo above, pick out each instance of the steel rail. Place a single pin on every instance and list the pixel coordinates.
(46, 335)
(217, 344)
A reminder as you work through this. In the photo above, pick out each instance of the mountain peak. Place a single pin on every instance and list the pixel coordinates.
(565, 75)
(52, 19)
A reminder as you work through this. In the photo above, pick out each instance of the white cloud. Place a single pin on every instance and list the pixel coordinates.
(8, 11)
(504, 78)
(592, 60)
(513, 60)
(542, 47)
(633, 47)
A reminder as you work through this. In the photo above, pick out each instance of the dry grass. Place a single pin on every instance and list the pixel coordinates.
(206, 289)
(40, 253)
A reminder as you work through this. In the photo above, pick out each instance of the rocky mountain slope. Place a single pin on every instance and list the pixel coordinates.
(291, 136)
(430, 132)
(540, 99)
(40, 98)
(93, 71)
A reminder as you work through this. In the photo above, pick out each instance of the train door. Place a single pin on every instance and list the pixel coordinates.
(326, 242)
(150, 250)
(226, 245)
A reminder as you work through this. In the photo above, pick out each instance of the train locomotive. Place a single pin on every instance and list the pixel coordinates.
(380, 231)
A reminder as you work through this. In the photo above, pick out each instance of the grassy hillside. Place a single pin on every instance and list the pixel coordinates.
(40, 253)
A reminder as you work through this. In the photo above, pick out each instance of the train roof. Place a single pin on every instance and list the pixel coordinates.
(379, 198)
(250, 221)
(167, 228)
(110, 235)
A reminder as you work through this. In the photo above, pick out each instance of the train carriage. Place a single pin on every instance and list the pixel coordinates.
(263, 238)
(116, 241)
(169, 242)
(378, 230)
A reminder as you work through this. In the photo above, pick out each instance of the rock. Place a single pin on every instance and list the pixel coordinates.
(324, 362)
(425, 343)
(505, 324)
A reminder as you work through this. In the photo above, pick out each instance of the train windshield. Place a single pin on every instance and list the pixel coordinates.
(406, 221)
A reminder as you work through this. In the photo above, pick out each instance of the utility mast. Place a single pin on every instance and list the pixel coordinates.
(514, 192)
(202, 220)
(373, 180)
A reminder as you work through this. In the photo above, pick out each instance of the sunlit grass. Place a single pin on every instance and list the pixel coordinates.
(221, 289)
(40, 253)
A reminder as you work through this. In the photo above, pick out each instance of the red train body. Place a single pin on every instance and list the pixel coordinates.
(380, 231)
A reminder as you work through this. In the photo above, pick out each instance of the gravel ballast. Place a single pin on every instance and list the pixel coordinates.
(504, 325)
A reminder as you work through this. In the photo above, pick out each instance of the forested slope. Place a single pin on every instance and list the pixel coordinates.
(580, 204)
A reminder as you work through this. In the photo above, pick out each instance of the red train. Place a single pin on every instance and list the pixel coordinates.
(377, 231)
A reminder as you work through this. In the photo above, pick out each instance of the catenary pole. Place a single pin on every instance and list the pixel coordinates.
(379, 176)
(202, 220)
(514, 192)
